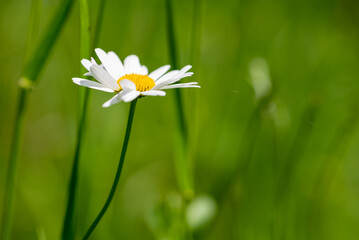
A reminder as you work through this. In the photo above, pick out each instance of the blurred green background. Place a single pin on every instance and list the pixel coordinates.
(273, 131)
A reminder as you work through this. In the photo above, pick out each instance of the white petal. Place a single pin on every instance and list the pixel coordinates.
(156, 74)
(177, 78)
(86, 63)
(108, 63)
(182, 85)
(118, 62)
(183, 73)
(93, 61)
(144, 70)
(91, 84)
(132, 64)
(154, 93)
(117, 98)
(127, 84)
(185, 69)
(128, 97)
(171, 79)
(89, 74)
(187, 74)
(103, 77)
(167, 76)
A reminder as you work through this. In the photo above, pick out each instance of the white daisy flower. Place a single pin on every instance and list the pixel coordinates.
(130, 79)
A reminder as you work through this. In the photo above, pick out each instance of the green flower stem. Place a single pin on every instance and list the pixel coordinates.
(32, 69)
(69, 226)
(8, 208)
(118, 173)
(184, 176)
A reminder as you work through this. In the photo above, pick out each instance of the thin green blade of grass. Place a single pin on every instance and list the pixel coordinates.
(323, 183)
(98, 25)
(32, 68)
(33, 27)
(69, 225)
(223, 188)
(194, 59)
(18, 128)
(196, 32)
(184, 176)
(8, 206)
(36, 61)
(285, 177)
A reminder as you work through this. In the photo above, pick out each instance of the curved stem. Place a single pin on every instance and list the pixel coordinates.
(118, 173)
(12, 168)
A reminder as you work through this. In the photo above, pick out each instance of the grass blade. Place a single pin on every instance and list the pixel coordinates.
(8, 206)
(184, 177)
(69, 226)
(31, 71)
(36, 61)
(33, 26)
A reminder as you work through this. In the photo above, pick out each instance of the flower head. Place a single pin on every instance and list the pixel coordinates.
(130, 79)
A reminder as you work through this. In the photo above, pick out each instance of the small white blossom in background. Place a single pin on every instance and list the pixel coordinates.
(259, 77)
(201, 211)
(130, 79)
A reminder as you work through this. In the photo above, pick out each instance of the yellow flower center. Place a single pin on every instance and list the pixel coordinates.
(142, 82)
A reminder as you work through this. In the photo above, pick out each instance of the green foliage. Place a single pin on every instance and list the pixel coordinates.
(279, 162)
